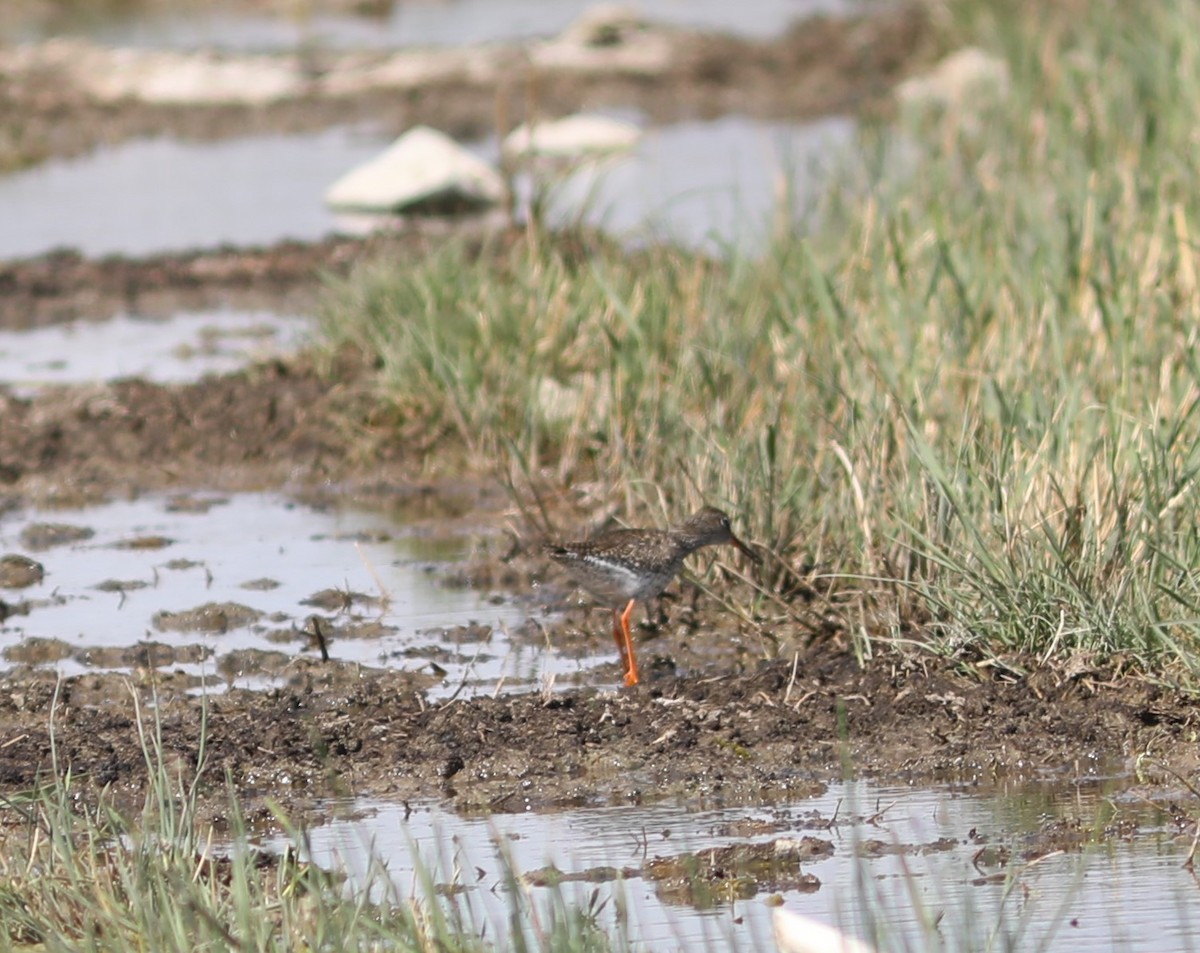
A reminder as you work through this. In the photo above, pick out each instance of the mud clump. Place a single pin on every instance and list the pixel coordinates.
(262, 584)
(338, 600)
(212, 617)
(736, 872)
(247, 662)
(121, 585)
(144, 655)
(38, 537)
(144, 542)
(711, 877)
(37, 651)
(20, 572)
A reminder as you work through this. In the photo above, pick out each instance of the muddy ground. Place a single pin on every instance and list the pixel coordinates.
(716, 720)
(732, 710)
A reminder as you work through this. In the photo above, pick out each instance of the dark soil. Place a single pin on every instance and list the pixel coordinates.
(719, 738)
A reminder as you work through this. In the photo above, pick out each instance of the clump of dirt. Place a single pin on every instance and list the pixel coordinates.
(37, 651)
(37, 537)
(65, 286)
(737, 872)
(212, 617)
(19, 572)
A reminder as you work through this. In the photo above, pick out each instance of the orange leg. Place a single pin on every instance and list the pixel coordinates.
(631, 672)
(619, 638)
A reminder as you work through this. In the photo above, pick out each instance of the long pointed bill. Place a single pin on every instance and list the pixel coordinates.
(749, 553)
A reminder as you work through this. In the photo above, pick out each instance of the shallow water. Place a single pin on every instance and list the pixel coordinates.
(1127, 895)
(181, 348)
(446, 23)
(159, 195)
(176, 554)
(712, 184)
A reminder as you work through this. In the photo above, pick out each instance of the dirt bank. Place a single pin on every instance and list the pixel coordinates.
(717, 737)
(72, 97)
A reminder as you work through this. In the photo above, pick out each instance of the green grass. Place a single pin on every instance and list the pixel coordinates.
(969, 393)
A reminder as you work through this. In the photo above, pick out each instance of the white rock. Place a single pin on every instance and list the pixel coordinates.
(799, 934)
(422, 167)
(161, 76)
(960, 79)
(155, 76)
(573, 136)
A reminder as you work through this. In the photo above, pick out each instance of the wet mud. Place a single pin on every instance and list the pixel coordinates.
(731, 711)
(719, 737)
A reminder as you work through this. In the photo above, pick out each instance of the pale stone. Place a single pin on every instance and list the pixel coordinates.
(157, 76)
(205, 77)
(410, 69)
(572, 136)
(202, 79)
(959, 80)
(422, 167)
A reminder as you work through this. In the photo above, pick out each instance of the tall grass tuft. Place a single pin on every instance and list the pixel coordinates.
(970, 390)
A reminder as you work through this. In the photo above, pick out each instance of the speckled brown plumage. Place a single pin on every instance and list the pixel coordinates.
(625, 566)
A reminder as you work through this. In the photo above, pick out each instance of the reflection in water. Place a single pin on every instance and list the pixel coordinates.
(901, 858)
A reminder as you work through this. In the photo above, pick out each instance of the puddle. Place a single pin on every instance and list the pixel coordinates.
(907, 850)
(228, 584)
(160, 195)
(457, 22)
(182, 348)
(712, 184)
